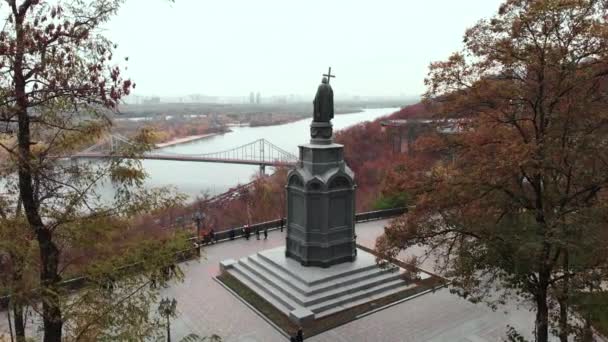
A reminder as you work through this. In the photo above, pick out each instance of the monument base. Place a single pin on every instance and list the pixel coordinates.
(307, 293)
(325, 263)
(321, 133)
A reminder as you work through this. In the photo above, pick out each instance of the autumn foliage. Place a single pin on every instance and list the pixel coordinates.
(516, 205)
(59, 85)
(167, 130)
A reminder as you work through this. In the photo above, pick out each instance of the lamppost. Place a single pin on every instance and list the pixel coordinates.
(167, 310)
(198, 217)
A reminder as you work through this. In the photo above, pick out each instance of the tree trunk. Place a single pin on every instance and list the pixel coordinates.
(563, 319)
(16, 298)
(49, 254)
(542, 309)
(564, 329)
(19, 321)
(51, 310)
(587, 335)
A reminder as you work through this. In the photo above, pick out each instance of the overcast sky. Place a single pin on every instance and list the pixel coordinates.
(230, 47)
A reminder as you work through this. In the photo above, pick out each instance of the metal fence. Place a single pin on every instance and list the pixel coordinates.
(238, 232)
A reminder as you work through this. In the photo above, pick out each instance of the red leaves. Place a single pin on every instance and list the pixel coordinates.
(63, 59)
(126, 87)
(115, 73)
(49, 28)
(415, 111)
(114, 95)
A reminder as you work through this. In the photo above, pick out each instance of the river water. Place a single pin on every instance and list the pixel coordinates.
(195, 178)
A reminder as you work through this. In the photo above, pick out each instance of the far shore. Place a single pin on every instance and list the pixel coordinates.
(184, 140)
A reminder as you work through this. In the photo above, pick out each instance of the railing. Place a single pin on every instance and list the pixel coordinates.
(222, 236)
(225, 235)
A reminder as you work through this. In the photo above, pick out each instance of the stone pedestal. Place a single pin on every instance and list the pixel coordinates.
(321, 204)
(321, 133)
(305, 294)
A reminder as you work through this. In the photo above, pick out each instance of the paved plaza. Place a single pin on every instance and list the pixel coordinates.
(206, 308)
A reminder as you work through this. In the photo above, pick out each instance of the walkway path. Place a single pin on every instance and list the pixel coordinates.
(206, 308)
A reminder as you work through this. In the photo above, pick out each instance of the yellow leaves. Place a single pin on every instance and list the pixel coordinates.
(127, 175)
(38, 148)
(78, 137)
(9, 142)
(155, 136)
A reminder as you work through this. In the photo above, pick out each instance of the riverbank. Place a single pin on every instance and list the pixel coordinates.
(196, 179)
(368, 152)
(190, 138)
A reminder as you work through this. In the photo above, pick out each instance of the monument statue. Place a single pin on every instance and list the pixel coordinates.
(323, 111)
(324, 102)
(320, 270)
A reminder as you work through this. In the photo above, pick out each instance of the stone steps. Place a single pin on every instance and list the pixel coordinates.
(285, 304)
(332, 291)
(364, 300)
(305, 293)
(354, 296)
(315, 282)
(285, 278)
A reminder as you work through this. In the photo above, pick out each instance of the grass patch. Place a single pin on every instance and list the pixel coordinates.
(255, 300)
(331, 321)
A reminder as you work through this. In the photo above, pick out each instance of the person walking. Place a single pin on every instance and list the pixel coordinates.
(299, 336)
(245, 232)
(257, 233)
(265, 233)
(212, 235)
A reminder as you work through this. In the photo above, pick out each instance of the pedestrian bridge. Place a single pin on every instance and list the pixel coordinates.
(260, 152)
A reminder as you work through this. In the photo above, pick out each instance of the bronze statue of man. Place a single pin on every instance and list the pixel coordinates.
(324, 102)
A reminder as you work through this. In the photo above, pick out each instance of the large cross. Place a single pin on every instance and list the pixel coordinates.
(329, 75)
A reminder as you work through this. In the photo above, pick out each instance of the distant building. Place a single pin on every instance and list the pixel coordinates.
(258, 98)
(252, 97)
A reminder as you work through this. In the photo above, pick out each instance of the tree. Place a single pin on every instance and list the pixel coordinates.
(16, 253)
(520, 206)
(58, 85)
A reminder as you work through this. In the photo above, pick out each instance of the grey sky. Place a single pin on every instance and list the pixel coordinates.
(230, 47)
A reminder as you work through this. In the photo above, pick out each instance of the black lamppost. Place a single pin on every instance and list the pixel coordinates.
(198, 217)
(167, 310)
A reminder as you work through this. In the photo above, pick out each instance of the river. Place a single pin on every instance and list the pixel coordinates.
(194, 178)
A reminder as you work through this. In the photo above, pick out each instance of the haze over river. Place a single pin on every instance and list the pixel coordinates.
(194, 178)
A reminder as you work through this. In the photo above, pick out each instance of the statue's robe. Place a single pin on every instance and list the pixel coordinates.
(324, 104)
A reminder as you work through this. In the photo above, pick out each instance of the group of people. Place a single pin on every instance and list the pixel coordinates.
(298, 337)
(209, 238)
(247, 232)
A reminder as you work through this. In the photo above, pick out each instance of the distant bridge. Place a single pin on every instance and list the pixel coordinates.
(260, 152)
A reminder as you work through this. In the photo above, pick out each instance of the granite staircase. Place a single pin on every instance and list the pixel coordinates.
(305, 293)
